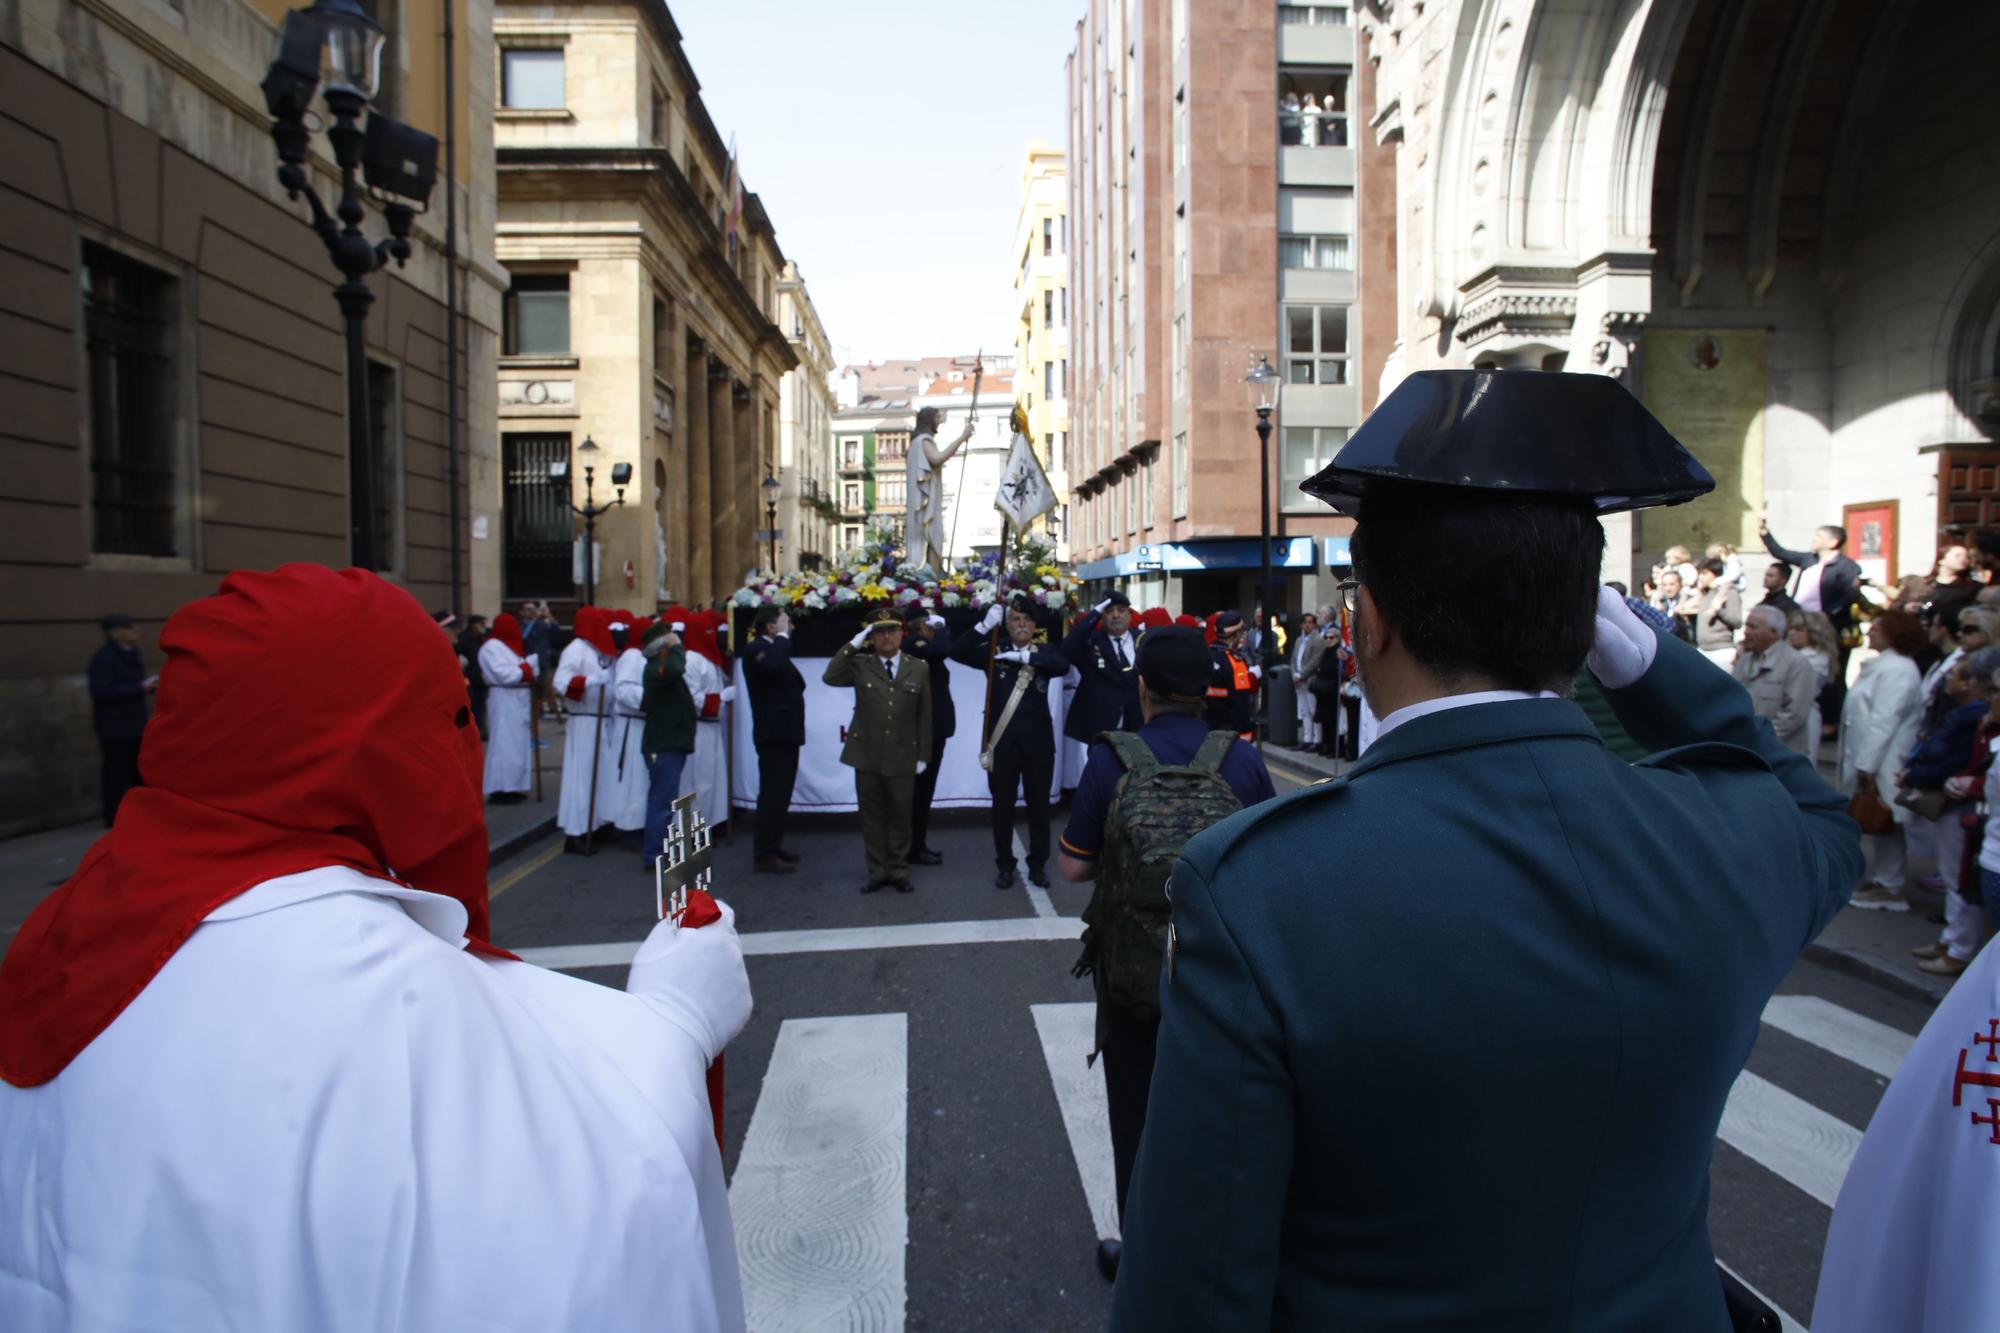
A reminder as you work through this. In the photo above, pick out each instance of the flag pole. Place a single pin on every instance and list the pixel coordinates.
(965, 460)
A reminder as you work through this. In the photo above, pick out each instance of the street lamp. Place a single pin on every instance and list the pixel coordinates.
(621, 477)
(335, 45)
(1263, 384)
(771, 489)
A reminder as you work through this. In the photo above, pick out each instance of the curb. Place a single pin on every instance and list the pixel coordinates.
(519, 841)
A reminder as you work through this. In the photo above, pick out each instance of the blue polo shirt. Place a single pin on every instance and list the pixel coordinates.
(1173, 739)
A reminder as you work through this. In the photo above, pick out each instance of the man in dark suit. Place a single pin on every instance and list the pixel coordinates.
(888, 743)
(1018, 734)
(778, 729)
(1445, 1042)
(119, 690)
(1105, 652)
(920, 640)
(1829, 582)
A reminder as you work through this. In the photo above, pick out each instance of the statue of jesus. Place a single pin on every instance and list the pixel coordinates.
(923, 525)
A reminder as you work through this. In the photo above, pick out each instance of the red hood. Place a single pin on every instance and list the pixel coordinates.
(593, 626)
(508, 630)
(275, 749)
(1153, 617)
(701, 635)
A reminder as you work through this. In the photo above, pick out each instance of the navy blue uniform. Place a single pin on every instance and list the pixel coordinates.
(118, 711)
(1107, 695)
(1025, 755)
(778, 729)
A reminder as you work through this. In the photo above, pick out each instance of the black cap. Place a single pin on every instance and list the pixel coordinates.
(1227, 620)
(916, 613)
(1173, 661)
(116, 620)
(1519, 432)
(1116, 598)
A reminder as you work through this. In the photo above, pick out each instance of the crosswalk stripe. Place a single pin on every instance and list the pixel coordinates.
(1068, 1033)
(1007, 930)
(1038, 897)
(820, 1192)
(1862, 1041)
(1789, 1136)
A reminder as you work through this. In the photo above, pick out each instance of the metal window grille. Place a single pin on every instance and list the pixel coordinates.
(539, 525)
(128, 340)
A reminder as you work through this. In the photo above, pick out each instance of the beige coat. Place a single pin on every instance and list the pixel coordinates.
(1783, 689)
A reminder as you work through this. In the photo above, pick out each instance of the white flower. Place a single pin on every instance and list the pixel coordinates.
(1049, 580)
(845, 595)
(745, 597)
(908, 595)
(953, 599)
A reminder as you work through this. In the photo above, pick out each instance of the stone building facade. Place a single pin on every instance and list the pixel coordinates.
(805, 440)
(641, 315)
(176, 372)
(1778, 223)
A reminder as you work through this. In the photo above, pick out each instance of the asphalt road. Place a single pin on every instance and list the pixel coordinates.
(913, 1139)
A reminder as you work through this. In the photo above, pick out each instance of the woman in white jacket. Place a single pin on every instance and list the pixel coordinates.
(1878, 729)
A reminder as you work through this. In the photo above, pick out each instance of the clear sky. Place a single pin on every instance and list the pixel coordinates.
(885, 138)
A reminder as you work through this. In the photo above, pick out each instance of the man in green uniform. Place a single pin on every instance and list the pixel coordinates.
(888, 743)
(1444, 1044)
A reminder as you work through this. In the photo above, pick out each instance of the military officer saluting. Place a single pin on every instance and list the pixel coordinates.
(887, 743)
(1232, 679)
(1445, 1043)
(1103, 646)
(1019, 752)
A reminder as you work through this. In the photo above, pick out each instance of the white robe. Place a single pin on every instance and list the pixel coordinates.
(583, 748)
(324, 1114)
(707, 770)
(1910, 1248)
(510, 751)
(626, 778)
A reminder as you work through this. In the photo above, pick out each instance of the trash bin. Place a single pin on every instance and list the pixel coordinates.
(1281, 707)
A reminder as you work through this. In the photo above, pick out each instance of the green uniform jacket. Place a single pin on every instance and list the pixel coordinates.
(1445, 1044)
(891, 730)
(669, 706)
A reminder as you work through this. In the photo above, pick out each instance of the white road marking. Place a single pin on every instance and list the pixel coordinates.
(1863, 1041)
(1038, 897)
(1011, 930)
(820, 1194)
(1068, 1032)
(1789, 1137)
(1786, 1323)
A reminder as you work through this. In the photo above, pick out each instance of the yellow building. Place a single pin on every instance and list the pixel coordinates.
(641, 316)
(1041, 342)
(805, 505)
(176, 375)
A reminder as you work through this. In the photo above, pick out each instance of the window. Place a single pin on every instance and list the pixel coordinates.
(1179, 355)
(1305, 450)
(1180, 131)
(892, 446)
(1179, 477)
(130, 351)
(850, 453)
(537, 525)
(1146, 490)
(1312, 108)
(1131, 488)
(889, 489)
(1062, 305)
(1317, 16)
(663, 336)
(374, 489)
(536, 317)
(531, 80)
(1048, 236)
(1055, 379)
(1333, 252)
(1048, 309)
(659, 115)
(1316, 344)
(1180, 246)
(850, 495)
(850, 537)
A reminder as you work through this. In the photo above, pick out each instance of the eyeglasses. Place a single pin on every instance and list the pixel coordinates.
(1348, 590)
(1970, 629)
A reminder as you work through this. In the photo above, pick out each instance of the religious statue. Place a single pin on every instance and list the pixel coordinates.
(923, 526)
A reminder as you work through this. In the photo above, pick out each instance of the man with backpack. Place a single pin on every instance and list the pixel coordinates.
(1142, 796)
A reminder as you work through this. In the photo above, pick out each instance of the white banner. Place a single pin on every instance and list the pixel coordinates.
(1024, 492)
(826, 785)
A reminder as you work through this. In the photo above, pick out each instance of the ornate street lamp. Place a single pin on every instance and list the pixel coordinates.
(621, 477)
(1263, 384)
(335, 45)
(771, 488)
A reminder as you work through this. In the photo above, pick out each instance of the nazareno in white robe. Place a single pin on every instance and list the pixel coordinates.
(582, 746)
(627, 778)
(324, 1114)
(706, 772)
(510, 751)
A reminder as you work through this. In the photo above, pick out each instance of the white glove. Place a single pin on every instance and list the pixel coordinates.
(1624, 647)
(936, 621)
(922, 764)
(695, 979)
(1257, 671)
(860, 639)
(994, 615)
(1101, 606)
(729, 694)
(1012, 655)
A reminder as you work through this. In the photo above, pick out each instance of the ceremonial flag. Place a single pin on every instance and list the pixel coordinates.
(1024, 492)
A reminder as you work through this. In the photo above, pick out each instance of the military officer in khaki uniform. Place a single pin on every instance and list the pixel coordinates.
(888, 743)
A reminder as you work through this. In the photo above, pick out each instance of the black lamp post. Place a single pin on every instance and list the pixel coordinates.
(1263, 384)
(771, 488)
(621, 477)
(336, 44)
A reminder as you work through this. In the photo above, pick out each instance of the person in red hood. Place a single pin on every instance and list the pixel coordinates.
(262, 1068)
(509, 674)
(583, 681)
(708, 680)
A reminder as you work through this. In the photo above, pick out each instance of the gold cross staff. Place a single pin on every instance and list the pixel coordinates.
(683, 862)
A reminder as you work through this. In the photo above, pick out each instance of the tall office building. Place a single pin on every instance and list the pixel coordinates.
(1217, 187)
(1041, 339)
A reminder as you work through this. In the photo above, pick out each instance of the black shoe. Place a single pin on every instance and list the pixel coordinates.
(906, 886)
(871, 886)
(772, 865)
(573, 846)
(1005, 879)
(924, 856)
(1107, 1258)
(1038, 877)
(789, 858)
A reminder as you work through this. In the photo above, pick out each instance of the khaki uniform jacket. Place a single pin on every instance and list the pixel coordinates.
(1783, 689)
(891, 730)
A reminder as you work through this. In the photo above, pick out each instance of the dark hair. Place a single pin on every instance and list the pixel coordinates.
(1618, 587)
(1711, 566)
(914, 614)
(1178, 707)
(927, 420)
(1784, 570)
(766, 617)
(1839, 534)
(1905, 632)
(1479, 585)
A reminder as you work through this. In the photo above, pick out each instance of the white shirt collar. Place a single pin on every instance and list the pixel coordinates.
(889, 664)
(1444, 703)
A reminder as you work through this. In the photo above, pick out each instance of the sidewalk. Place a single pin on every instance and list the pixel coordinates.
(35, 863)
(1872, 946)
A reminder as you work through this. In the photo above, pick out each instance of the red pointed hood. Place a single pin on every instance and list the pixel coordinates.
(593, 626)
(508, 630)
(701, 637)
(275, 749)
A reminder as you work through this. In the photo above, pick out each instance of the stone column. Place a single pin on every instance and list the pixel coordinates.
(717, 558)
(747, 459)
(686, 534)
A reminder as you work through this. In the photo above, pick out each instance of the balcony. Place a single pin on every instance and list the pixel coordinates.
(1315, 34)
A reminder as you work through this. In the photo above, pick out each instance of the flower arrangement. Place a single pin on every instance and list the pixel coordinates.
(875, 577)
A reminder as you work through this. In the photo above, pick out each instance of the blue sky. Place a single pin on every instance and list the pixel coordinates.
(885, 138)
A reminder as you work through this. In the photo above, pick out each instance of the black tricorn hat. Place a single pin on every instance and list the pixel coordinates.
(1516, 432)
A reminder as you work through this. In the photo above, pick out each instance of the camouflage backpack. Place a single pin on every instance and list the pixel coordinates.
(1154, 811)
